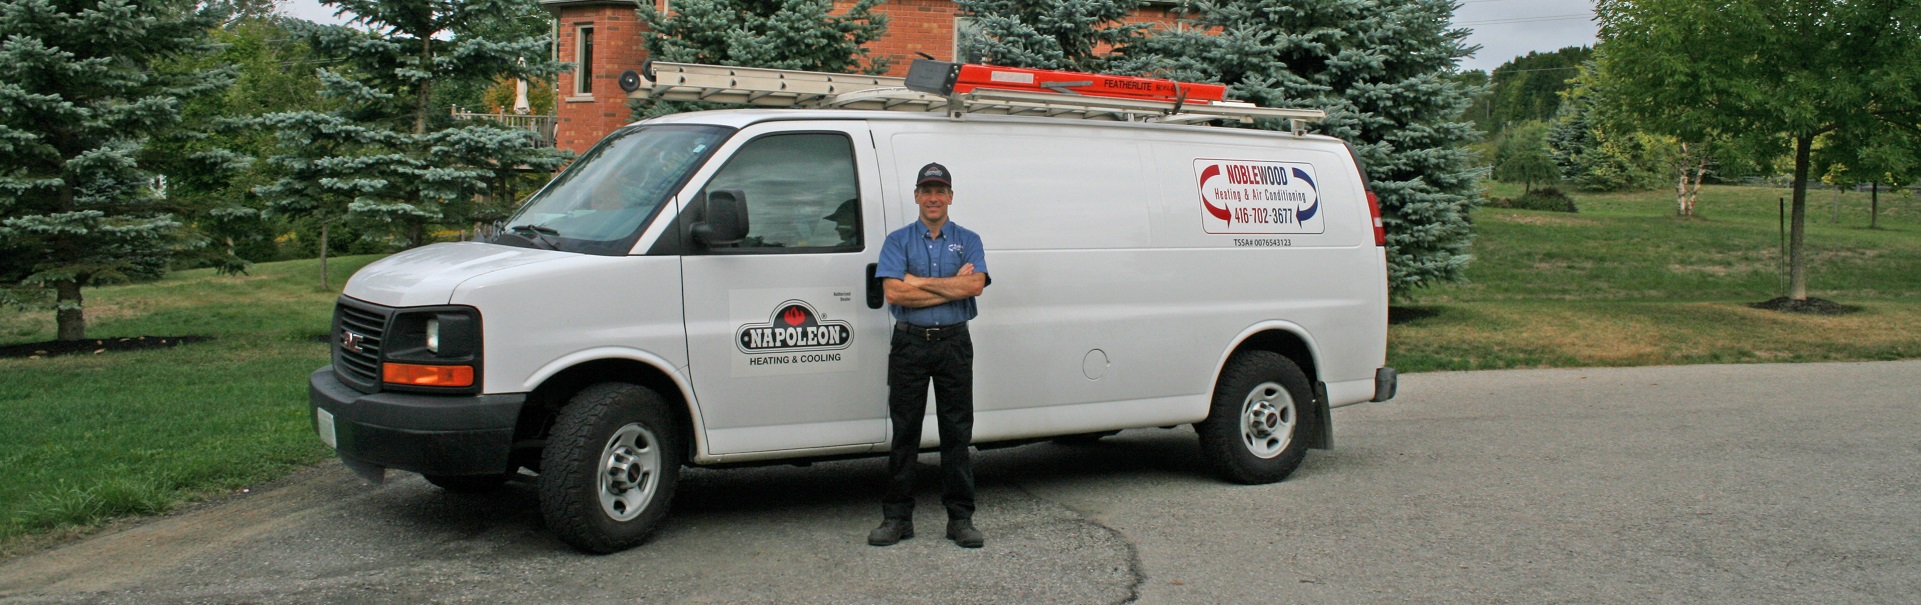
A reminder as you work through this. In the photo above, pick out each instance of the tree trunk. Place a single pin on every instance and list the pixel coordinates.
(1694, 191)
(70, 316)
(424, 93)
(1874, 206)
(1837, 206)
(423, 97)
(323, 256)
(1681, 187)
(1798, 221)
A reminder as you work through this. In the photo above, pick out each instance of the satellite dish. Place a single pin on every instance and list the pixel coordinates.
(629, 80)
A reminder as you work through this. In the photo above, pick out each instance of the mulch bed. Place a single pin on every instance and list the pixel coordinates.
(94, 346)
(1811, 306)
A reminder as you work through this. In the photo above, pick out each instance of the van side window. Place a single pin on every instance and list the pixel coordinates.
(802, 193)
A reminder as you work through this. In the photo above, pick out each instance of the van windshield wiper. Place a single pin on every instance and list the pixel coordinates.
(537, 234)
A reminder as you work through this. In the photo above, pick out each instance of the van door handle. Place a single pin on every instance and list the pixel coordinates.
(874, 296)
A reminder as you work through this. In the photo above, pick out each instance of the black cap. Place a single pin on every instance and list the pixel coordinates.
(934, 173)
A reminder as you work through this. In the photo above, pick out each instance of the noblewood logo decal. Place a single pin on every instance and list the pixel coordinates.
(1255, 197)
(794, 326)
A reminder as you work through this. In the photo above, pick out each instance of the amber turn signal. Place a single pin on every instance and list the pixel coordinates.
(427, 376)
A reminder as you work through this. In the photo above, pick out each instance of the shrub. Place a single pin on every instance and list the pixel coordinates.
(1546, 198)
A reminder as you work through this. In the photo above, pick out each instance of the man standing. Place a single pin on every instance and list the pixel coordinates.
(931, 271)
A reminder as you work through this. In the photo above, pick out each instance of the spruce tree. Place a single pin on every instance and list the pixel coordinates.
(79, 98)
(391, 152)
(779, 34)
(1382, 69)
(209, 165)
(1071, 35)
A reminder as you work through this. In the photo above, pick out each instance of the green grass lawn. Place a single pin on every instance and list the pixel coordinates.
(86, 438)
(1626, 282)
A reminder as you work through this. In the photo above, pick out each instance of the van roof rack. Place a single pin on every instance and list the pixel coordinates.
(970, 89)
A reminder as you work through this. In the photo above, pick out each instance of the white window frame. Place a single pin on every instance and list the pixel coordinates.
(961, 25)
(583, 59)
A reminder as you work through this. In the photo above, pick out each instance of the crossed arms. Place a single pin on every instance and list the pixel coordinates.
(915, 292)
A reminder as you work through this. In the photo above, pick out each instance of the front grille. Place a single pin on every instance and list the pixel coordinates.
(365, 326)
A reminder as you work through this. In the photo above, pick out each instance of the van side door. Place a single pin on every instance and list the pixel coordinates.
(785, 353)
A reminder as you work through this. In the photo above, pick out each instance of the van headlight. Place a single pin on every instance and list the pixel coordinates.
(432, 349)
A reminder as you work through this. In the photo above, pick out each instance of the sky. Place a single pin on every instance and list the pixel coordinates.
(1506, 29)
(1503, 28)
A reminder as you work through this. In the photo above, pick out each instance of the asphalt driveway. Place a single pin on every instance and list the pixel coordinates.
(1751, 484)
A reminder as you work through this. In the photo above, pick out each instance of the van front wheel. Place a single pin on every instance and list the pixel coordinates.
(1257, 429)
(610, 467)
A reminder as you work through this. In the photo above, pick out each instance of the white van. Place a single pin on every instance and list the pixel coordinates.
(698, 290)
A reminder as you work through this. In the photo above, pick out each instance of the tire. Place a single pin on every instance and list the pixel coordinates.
(610, 467)
(1258, 429)
(469, 484)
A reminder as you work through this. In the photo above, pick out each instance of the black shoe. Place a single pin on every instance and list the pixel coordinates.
(890, 532)
(962, 532)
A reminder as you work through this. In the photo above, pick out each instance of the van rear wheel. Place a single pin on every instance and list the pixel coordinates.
(610, 467)
(1257, 429)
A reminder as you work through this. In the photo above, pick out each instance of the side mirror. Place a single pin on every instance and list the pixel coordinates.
(724, 218)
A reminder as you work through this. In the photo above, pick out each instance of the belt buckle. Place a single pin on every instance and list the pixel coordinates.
(930, 334)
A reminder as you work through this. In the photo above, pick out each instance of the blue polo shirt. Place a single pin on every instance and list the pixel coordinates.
(914, 250)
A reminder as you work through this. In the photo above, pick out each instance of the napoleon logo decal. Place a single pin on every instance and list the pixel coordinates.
(1248, 196)
(794, 326)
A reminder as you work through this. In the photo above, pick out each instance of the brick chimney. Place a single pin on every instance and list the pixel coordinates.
(602, 38)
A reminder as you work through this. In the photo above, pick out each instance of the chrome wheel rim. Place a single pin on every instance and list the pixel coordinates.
(629, 472)
(1267, 420)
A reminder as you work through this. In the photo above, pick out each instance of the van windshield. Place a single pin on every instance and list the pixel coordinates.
(598, 204)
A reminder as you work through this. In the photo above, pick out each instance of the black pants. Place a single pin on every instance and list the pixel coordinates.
(949, 362)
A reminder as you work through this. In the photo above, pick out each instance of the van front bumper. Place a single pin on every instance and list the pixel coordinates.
(426, 434)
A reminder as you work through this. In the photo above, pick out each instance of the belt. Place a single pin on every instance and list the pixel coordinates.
(933, 333)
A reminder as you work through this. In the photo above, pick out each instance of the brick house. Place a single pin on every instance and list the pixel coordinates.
(603, 38)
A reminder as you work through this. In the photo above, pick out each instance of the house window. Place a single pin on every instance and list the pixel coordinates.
(966, 41)
(584, 60)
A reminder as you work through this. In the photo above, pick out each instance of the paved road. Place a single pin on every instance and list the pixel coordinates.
(1749, 484)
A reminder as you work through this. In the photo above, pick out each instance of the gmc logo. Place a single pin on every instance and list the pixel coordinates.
(351, 341)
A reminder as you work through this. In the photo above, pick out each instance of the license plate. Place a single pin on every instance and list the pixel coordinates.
(324, 424)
